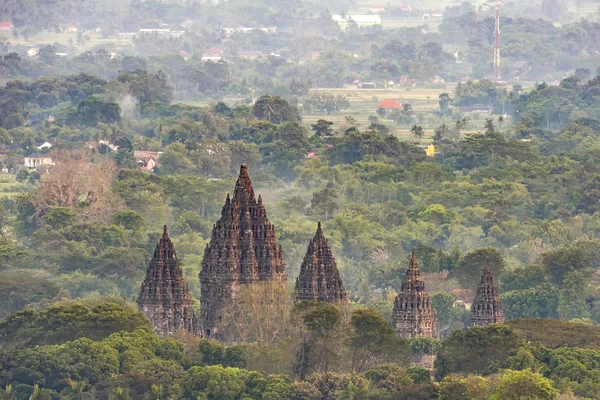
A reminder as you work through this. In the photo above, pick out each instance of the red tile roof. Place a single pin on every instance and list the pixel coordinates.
(390, 103)
(6, 24)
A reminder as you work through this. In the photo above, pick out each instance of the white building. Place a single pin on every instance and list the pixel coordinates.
(36, 160)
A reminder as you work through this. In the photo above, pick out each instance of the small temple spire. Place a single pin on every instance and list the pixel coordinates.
(244, 170)
(413, 313)
(164, 296)
(319, 277)
(487, 306)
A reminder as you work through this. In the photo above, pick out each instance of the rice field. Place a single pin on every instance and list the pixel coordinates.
(424, 102)
(9, 187)
(91, 40)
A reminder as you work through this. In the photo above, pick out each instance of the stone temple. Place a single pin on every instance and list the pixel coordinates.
(319, 277)
(413, 313)
(487, 308)
(243, 249)
(164, 297)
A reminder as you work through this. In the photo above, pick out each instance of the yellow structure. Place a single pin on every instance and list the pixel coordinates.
(430, 150)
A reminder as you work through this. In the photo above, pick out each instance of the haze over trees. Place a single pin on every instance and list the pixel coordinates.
(108, 133)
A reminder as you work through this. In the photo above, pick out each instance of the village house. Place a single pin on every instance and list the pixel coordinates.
(67, 28)
(147, 165)
(37, 160)
(476, 108)
(212, 54)
(359, 20)
(229, 30)
(377, 9)
(161, 32)
(146, 154)
(45, 145)
(146, 159)
(388, 104)
(464, 298)
(186, 23)
(185, 54)
(33, 51)
(6, 26)
(126, 35)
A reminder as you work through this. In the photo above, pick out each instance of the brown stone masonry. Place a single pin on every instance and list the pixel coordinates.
(164, 297)
(319, 277)
(413, 313)
(243, 249)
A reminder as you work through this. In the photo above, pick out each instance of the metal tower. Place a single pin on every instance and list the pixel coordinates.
(497, 69)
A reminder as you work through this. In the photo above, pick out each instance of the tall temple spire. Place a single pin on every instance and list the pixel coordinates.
(319, 278)
(487, 307)
(164, 297)
(243, 249)
(413, 313)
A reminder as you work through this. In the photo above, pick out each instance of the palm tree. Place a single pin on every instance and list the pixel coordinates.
(119, 394)
(355, 392)
(8, 393)
(76, 391)
(40, 393)
(156, 393)
(417, 131)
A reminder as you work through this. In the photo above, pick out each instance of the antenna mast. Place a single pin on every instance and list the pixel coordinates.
(497, 69)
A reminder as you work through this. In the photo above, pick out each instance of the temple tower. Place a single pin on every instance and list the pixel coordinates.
(319, 278)
(487, 307)
(413, 313)
(243, 249)
(164, 297)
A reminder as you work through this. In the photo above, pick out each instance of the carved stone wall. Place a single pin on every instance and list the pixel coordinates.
(243, 249)
(413, 313)
(164, 297)
(487, 307)
(319, 278)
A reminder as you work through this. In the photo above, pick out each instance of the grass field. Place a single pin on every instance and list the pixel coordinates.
(94, 39)
(9, 187)
(363, 103)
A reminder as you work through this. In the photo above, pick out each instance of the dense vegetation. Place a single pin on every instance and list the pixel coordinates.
(522, 194)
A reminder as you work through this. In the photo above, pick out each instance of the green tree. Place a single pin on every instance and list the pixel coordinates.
(7, 393)
(76, 391)
(572, 298)
(447, 314)
(59, 217)
(92, 111)
(275, 109)
(27, 288)
(389, 377)
(214, 353)
(476, 351)
(579, 257)
(444, 101)
(458, 387)
(39, 393)
(119, 394)
(538, 302)
(156, 393)
(417, 131)
(517, 385)
(217, 382)
(70, 320)
(322, 323)
(469, 269)
(324, 202)
(372, 340)
(322, 128)
(419, 375)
